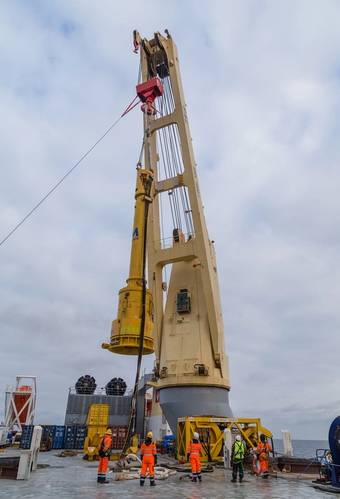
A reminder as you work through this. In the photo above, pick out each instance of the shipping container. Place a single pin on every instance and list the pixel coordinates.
(98, 415)
(58, 438)
(26, 436)
(75, 437)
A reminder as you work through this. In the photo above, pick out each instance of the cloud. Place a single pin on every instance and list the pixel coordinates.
(262, 86)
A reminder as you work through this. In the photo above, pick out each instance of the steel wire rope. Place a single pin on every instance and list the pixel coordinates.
(174, 192)
(171, 93)
(179, 171)
(186, 200)
(170, 172)
(178, 160)
(171, 167)
(172, 210)
(178, 148)
(174, 170)
(186, 206)
(161, 208)
(64, 177)
(166, 174)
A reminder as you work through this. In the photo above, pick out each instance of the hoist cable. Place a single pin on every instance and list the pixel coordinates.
(64, 177)
(171, 161)
(175, 134)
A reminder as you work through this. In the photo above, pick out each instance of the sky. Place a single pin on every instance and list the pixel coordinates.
(262, 85)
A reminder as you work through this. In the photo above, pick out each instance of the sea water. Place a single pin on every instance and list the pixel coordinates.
(302, 448)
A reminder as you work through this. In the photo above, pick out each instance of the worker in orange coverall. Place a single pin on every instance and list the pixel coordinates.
(262, 451)
(105, 447)
(149, 459)
(193, 452)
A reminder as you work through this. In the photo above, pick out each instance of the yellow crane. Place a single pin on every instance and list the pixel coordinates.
(184, 325)
(180, 318)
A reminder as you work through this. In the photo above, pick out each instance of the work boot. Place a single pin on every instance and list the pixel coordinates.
(152, 483)
(233, 480)
(199, 478)
(141, 483)
(194, 479)
(241, 478)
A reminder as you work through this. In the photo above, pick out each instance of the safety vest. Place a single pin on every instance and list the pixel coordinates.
(263, 451)
(238, 451)
(148, 450)
(105, 445)
(194, 449)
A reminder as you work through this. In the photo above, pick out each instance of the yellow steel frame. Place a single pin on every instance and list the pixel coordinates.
(211, 431)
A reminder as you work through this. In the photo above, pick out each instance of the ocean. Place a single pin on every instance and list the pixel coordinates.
(302, 448)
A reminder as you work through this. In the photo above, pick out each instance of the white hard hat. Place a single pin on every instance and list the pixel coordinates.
(196, 435)
(238, 437)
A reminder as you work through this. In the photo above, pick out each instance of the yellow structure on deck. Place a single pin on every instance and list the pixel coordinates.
(127, 328)
(211, 432)
(98, 415)
(97, 422)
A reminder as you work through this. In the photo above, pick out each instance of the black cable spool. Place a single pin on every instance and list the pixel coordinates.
(116, 386)
(86, 385)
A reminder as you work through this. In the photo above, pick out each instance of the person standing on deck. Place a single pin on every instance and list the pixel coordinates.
(193, 452)
(105, 447)
(237, 458)
(149, 459)
(262, 451)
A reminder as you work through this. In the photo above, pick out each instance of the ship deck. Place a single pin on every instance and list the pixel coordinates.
(72, 477)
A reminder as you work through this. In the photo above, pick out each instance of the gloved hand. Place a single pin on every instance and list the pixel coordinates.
(155, 459)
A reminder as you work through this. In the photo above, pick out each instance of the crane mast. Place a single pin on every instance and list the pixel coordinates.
(191, 367)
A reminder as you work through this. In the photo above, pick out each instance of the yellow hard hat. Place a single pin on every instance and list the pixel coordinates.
(108, 432)
(149, 434)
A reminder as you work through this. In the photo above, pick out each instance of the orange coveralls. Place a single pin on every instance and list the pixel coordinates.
(263, 456)
(194, 449)
(148, 453)
(103, 465)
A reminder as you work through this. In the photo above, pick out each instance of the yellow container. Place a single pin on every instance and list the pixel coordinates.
(98, 415)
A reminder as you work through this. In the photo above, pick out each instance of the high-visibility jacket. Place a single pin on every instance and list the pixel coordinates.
(194, 449)
(238, 451)
(263, 451)
(148, 450)
(105, 445)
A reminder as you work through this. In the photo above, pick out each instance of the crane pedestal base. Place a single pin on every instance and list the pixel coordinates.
(181, 401)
